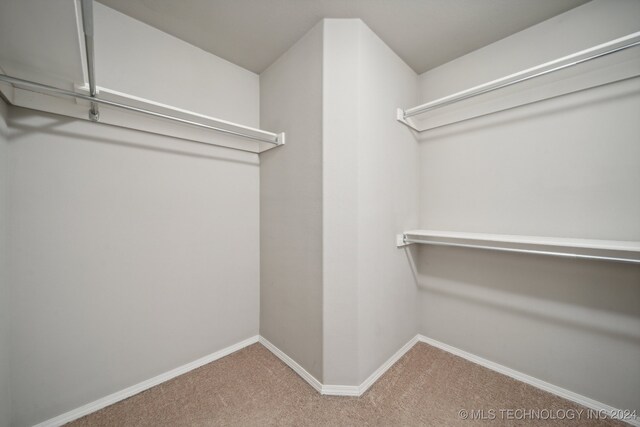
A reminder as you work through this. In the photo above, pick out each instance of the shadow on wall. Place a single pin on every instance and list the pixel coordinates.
(23, 122)
(596, 296)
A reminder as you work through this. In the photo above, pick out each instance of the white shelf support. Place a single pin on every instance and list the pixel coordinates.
(86, 7)
(401, 116)
(400, 241)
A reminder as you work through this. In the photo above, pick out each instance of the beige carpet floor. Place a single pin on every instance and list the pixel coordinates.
(427, 387)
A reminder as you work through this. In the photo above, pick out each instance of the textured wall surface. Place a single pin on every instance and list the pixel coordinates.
(291, 204)
(388, 184)
(131, 253)
(564, 167)
(5, 396)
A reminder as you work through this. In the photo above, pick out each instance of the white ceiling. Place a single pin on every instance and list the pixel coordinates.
(425, 33)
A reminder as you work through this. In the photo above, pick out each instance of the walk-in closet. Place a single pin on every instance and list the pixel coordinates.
(319, 213)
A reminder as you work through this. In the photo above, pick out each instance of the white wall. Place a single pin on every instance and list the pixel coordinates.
(5, 396)
(159, 67)
(336, 295)
(291, 204)
(340, 200)
(567, 167)
(570, 162)
(39, 41)
(369, 193)
(387, 202)
(131, 253)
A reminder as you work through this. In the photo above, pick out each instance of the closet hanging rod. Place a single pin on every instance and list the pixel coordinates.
(269, 137)
(598, 51)
(407, 240)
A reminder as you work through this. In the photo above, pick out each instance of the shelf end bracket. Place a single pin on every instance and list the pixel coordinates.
(401, 240)
(401, 117)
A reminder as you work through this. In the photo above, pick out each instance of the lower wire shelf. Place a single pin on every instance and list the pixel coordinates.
(590, 249)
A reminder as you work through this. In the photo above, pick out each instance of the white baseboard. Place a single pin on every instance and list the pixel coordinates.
(333, 390)
(317, 385)
(144, 385)
(386, 365)
(339, 390)
(528, 379)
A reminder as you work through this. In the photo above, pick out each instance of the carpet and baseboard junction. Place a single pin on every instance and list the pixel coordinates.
(425, 383)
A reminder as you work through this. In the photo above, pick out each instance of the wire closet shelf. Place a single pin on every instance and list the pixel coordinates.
(194, 119)
(621, 251)
(599, 51)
